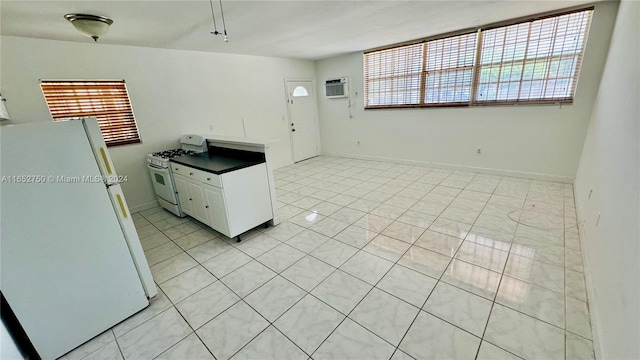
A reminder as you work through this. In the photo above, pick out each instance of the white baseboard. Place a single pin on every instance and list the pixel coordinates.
(501, 172)
(588, 279)
(142, 207)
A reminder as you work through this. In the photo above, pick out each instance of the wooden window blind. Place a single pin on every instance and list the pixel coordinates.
(107, 101)
(532, 61)
(393, 76)
(448, 69)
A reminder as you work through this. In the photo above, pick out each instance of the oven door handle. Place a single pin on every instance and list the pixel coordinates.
(158, 168)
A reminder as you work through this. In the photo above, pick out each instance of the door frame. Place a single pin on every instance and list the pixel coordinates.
(315, 114)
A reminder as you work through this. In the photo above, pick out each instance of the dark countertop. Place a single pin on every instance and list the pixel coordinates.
(216, 163)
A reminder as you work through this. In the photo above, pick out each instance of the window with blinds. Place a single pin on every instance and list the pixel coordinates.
(532, 61)
(448, 69)
(107, 101)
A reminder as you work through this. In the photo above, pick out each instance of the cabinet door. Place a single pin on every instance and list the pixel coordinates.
(217, 209)
(184, 198)
(198, 201)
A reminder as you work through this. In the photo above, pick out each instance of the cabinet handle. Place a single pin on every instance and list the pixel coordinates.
(208, 179)
(190, 199)
(206, 207)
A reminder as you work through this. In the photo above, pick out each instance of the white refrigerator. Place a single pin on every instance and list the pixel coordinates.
(71, 262)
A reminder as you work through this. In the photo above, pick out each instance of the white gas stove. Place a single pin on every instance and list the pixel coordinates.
(160, 171)
(161, 158)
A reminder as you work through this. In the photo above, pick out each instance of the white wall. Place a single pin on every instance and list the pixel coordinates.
(172, 92)
(525, 138)
(610, 165)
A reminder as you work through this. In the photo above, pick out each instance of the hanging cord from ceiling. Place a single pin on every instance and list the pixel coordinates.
(215, 26)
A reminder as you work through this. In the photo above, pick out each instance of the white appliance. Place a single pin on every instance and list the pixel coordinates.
(336, 88)
(160, 171)
(72, 263)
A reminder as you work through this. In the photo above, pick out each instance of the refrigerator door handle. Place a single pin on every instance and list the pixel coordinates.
(123, 208)
(100, 152)
(105, 160)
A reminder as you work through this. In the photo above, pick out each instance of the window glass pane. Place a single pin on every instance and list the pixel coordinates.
(300, 91)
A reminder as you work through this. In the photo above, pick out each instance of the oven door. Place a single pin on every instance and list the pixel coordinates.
(163, 183)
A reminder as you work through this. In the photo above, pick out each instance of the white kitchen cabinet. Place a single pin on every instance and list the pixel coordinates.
(182, 186)
(217, 209)
(198, 201)
(231, 203)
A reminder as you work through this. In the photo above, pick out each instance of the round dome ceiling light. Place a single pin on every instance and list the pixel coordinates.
(91, 25)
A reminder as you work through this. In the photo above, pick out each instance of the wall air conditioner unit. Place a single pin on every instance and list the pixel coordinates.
(337, 88)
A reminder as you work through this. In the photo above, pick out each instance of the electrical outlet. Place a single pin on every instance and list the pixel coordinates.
(210, 126)
(479, 152)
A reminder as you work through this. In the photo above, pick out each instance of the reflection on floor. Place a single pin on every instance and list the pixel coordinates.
(372, 260)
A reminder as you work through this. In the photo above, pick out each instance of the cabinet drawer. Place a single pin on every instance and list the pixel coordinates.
(182, 170)
(198, 175)
(208, 178)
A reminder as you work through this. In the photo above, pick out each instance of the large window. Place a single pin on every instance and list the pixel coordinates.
(534, 61)
(107, 101)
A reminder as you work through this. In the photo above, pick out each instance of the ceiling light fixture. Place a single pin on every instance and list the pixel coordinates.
(91, 25)
(215, 27)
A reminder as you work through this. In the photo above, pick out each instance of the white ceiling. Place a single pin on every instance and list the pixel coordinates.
(293, 29)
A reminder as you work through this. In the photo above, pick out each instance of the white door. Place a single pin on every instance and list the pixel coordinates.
(302, 119)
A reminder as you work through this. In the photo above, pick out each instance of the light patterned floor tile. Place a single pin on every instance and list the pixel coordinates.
(432, 338)
(523, 335)
(408, 285)
(385, 315)
(351, 341)
(425, 261)
(334, 253)
(488, 351)
(532, 300)
(367, 267)
(461, 308)
(228, 333)
(248, 278)
(355, 236)
(270, 344)
(187, 283)
(227, 262)
(342, 291)
(188, 348)
(280, 257)
(154, 336)
(308, 272)
(199, 308)
(275, 297)
(309, 323)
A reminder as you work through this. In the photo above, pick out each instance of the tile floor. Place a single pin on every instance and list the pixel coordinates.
(372, 260)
